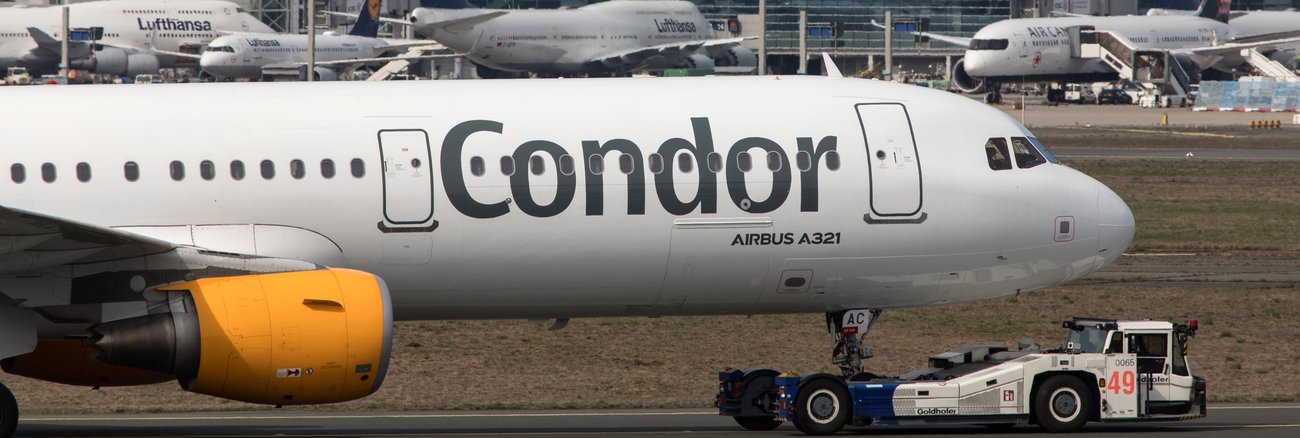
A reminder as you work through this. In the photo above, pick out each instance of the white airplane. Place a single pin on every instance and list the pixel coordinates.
(29, 37)
(1038, 49)
(265, 260)
(611, 37)
(249, 55)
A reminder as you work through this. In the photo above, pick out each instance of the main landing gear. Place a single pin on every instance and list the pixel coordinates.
(8, 412)
(751, 396)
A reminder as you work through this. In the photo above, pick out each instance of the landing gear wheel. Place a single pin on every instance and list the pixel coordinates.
(757, 423)
(8, 412)
(1061, 404)
(823, 407)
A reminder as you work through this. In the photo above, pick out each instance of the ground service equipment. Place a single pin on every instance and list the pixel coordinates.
(1108, 371)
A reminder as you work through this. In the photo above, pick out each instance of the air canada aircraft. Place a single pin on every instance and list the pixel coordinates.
(265, 258)
(29, 37)
(601, 38)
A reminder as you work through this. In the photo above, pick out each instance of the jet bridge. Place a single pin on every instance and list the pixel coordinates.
(1156, 71)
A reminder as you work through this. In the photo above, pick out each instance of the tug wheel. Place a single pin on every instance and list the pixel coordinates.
(823, 407)
(1062, 404)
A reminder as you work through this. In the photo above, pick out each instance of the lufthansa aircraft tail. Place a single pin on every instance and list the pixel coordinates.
(446, 4)
(1215, 9)
(367, 24)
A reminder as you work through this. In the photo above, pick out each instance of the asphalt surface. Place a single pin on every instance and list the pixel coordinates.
(1239, 420)
(1075, 153)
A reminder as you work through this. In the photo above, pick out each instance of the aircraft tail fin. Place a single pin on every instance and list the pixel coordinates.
(446, 4)
(367, 24)
(1215, 10)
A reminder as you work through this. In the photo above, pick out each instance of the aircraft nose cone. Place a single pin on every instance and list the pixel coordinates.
(1115, 225)
(974, 64)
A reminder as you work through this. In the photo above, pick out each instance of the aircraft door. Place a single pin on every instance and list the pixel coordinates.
(1153, 367)
(407, 180)
(709, 271)
(895, 167)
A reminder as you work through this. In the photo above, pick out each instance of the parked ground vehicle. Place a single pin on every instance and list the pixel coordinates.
(18, 76)
(149, 79)
(1114, 96)
(1079, 93)
(1107, 370)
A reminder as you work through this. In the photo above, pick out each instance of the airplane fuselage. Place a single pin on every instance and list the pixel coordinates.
(831, 194)
(244, 55)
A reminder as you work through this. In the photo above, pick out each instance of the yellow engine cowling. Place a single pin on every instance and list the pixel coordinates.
(292, 338)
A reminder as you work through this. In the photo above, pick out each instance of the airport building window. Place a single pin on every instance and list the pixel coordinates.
(298, 170)
(656, 164)
(1027, 155)
(268, 169)
(566, 164)
(507, 165)
(83, 172)
(358, 168)
(803, 159)
(477, 167)
(178, 170)
(832, 160)
(18, 173)
(131, 171)
(996, 150)
(626, 164)
(744, 162)
(327, 168)
(237, 170)
(207, 170)
(774, 161)
(715, 162)
(537, 164)
(48, 172)
(597, 164)
(685, 162)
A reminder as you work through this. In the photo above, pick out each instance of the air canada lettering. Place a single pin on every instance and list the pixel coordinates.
(475, 134)
(1047, 32)
(671, 25)
(173, 24)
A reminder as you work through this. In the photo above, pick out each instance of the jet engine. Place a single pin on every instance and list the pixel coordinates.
(734, 56)
(696, 61)
(326, 74)
(964, 81)
(292, 338)
(115, 61)
(70, 362)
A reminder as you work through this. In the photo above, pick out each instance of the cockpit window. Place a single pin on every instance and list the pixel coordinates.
(996, 150)
(999, 44)
(227, 49)
(1042, 149)
(1027, 155)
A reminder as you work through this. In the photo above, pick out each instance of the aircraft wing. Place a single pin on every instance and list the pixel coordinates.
(1239, 44)
(353, 16)
(635, 56)
(34, 241)
(369, 60)
(153, 48)
(956, 41)
(50, 46)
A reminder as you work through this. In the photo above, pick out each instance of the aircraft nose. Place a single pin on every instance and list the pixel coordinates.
(1115, 225)
(974, 64)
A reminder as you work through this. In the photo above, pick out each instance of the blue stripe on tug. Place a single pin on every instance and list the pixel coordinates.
(875, 400)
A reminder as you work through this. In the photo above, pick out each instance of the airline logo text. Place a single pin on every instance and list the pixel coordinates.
(671, 25)
(173, 24)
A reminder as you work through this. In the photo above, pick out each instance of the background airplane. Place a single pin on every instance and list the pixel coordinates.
(265, 260)
(254, 55)
(614, 37)
(30, 37)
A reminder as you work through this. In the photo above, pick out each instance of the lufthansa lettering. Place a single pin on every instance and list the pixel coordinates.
(477, 134)
(258, 42)
(174, 24)
(674, 26)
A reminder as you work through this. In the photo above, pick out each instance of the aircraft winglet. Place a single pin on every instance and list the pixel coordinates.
(828, 65)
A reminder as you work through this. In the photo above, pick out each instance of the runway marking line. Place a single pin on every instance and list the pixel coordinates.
(1155, 131)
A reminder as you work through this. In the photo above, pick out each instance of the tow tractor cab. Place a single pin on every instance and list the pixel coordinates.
(1107, 371)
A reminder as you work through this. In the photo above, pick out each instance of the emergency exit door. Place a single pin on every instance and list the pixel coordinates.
(408, 177)
(895, 168)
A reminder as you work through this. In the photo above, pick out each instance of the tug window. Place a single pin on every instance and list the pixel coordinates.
(48, 173)
(597, 164)
(83, 172)
(177, 170)
(745, 162)
(477, 167)
(237, 170)
(131, 171)
(327, 168)
(207, 170)
(358, 168)
(1027, 155)
(996, 151)
(18, 173)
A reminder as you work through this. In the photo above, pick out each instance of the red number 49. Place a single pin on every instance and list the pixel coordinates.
(1125, 383)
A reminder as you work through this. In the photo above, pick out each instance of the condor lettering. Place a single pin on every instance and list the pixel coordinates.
(478, 134)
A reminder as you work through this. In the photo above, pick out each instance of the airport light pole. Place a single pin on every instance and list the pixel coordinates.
(803, 42)
(63, 59)
(311, 40)
(889, 44)
(762, 37)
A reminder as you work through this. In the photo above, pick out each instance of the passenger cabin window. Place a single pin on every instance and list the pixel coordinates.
(774, 161)
(297, 169)
(996, 151)
(685, 162)
(656, 164)
(566, 164)
(715, 162)
(537, 164)
(995, 44)
(832, 160)
(177, 170)
(327, 168)
(18, 173)
(237, 171)
(131, 171)
(1027, 155)
(596, 164)
(83, 172)
(268, 169)
(507, 165)
(745, 162)
(477, 167)
(803, 159)
(207, 170)
(48, 172)
(626, 164)
(358, 168)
